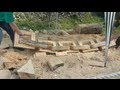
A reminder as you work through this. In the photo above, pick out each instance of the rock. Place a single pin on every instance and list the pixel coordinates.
(7, 63)
(1, 64)
(31, 30)
(5, 74)
(2, 51)
(62, 33)
(27, 71)
(14, 76)
(54, 64)
(44, 32)
(5, 45)
(10, 65)
(39, 54)
(112, 43)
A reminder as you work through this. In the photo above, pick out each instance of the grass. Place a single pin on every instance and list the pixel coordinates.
(63, 23)
(117, 30)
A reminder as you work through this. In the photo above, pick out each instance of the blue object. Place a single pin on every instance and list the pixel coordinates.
(1, 35)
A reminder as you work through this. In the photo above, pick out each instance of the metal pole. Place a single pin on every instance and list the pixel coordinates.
(110, 17)
(106, 49)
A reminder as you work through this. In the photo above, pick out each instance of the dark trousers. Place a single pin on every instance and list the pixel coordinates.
(8, 29)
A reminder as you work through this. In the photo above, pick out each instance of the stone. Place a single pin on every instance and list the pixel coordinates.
(1, 64)
(63, 33)
(14, 76)
(27, 71)
(7, 63)
(54, 64)
(39, 54)
(10, 65)
(112, 43)
(5, 74)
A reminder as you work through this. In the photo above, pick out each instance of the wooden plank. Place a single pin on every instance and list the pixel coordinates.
(18, 38)
(86, 42)
(49, 42)
(70, 51)
(61, 53)
(84, 47)
(90, 50)
(102, 44)
(60, 48)
(43, 50)
(36, 44)
(66, 43)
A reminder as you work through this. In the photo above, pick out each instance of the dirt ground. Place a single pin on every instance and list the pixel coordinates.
(76, 65)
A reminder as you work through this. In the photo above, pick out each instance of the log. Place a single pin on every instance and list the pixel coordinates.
(88, 29)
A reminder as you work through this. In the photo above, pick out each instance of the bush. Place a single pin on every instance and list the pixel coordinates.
(53, 20)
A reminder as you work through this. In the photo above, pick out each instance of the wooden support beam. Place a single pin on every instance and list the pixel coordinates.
(28, 36)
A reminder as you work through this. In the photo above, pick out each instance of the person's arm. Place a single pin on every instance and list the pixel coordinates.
(15, 28)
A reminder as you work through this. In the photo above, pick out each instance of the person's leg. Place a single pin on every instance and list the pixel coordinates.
(9, 30)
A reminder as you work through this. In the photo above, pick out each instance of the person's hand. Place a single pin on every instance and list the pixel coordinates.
(20, 33)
